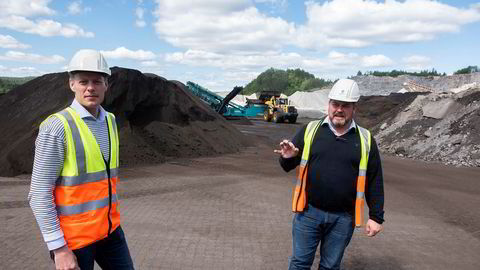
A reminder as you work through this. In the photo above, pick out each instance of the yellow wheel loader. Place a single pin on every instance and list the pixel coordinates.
(278, 110)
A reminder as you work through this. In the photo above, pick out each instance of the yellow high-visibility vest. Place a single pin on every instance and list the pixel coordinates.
(299, 201)
(85, 192)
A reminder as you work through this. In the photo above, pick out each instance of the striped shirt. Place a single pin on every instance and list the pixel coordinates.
(50, 150)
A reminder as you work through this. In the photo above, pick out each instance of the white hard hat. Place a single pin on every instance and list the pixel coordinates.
(89, 60)
(345, 90)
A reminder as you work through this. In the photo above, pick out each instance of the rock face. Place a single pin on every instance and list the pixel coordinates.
(157, 119)
(373, 85)
(373, 110)
(451, 136)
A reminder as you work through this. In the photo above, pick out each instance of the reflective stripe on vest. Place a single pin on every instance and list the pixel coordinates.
(82, 192)
(299, 201)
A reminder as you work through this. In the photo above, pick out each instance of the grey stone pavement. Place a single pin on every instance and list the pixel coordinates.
(207, 213)
(233, 212)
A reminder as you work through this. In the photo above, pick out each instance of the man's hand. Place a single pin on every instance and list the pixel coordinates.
(373, 228)
(287, 149)
(65, 259)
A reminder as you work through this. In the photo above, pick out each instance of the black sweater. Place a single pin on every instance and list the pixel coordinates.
(333, 170)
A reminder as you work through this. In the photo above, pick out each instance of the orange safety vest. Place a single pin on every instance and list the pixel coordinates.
(85, 192)
(299, 201)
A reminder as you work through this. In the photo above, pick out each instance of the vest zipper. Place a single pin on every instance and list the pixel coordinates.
(107, 166)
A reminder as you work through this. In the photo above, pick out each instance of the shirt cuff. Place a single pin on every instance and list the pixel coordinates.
(377, 219)
(57, 243)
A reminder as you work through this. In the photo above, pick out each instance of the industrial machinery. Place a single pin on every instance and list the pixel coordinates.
(278, 109)
(224, 106)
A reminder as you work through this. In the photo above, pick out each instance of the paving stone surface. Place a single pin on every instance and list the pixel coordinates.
(233, 212)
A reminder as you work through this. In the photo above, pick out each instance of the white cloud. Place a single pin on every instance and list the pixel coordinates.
(234, 61)
(337, 61)
(417, 62)
(43, 27)
(32, 58)
(249, 64)
(20, 71)
(416, 59)
(342, 59)
(124, 53)
(140, 22)
(76, 8)
(25, 70)
(336, 64)
(377, 60)
(25, 8)
(139, 12)
(219, 26)
(150, 64)
(237, 26)
(242, 76)
(14, 15)
(357, 23)
(10, 42)
(276, 5)
(476, 6)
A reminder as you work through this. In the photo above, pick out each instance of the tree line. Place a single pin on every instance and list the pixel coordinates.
(8, 83)
(396, 73)
(422, 73)
(467, 70)
(284, 81)
(291, 80)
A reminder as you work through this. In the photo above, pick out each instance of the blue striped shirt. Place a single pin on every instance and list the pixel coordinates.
(50, 149)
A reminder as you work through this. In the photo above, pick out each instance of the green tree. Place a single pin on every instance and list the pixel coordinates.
(296, 77)
(286, 82)
(467, 70)
(269, 80)
(395, 73)
(8, 83)
(314, 83)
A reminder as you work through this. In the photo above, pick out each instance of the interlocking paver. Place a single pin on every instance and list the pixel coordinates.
(213, 213)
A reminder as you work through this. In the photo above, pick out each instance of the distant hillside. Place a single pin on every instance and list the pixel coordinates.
(286, 82)
(8, 83)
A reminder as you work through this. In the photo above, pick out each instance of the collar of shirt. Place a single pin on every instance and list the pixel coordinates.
(86, 114)
(327, 121)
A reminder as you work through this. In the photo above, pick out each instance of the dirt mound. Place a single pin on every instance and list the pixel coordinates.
(158, 119)
(372, 110)
(434, 127)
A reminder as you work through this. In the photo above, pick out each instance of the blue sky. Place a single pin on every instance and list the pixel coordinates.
(220, 44)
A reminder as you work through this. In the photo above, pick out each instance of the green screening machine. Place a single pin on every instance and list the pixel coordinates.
(222, 105)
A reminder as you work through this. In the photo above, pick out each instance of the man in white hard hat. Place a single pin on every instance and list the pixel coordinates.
(339, 168)
(73, 191)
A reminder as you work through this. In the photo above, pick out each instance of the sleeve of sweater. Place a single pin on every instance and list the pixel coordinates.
(289, 164)
(374, 186)
(47, 165)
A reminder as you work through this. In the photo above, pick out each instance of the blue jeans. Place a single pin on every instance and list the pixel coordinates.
(314, 226)
(109, 253)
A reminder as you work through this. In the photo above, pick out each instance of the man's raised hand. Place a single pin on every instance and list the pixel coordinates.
(287, 149)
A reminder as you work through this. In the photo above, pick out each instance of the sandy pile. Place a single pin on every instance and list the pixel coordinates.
(158, 119)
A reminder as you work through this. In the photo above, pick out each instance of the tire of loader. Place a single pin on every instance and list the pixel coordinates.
(292, 120)
(266, 116)
(276, 118)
